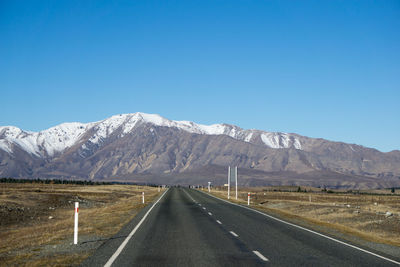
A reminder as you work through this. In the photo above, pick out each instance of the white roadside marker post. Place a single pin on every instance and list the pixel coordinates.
(229, 181)
(143, 197)
(76, 223)
(236, 180)
(209, 187)
(248, 199)
(310, 198)
(158, 188)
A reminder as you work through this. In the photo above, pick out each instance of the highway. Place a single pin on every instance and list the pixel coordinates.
(186, 227)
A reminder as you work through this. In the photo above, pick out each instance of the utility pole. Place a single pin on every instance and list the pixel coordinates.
(236, 178)
(229, 181)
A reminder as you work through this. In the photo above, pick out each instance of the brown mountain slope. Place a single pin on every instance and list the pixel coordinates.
(163, 154)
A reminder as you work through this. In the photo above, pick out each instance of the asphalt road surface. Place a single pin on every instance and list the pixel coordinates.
(190, 228)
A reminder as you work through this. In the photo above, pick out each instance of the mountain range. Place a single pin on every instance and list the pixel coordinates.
(148, 148)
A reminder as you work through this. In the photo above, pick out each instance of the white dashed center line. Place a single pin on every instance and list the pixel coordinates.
(210, 213)
(219, 222)
(204, 208)
(190, 197)
(261, 256)
(233, 233)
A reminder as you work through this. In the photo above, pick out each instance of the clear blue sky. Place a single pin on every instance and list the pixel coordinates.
(327, 69)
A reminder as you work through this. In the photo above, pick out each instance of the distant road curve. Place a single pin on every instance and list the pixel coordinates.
(185, 227)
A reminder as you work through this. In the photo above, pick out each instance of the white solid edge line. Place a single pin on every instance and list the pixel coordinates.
(308, 230)
(123, 244)
(219, 222)
(233, 233)
(261, 256)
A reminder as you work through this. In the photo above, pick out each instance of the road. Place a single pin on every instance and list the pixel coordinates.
(190, 228)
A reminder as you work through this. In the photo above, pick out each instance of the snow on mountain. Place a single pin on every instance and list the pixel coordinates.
(43, 143)
(280, 140)
(5, 145)
(57, 139)
(129, 121)
(12, 135)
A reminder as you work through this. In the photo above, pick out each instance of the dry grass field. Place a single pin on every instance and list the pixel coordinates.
(369, 215)
(36, 220)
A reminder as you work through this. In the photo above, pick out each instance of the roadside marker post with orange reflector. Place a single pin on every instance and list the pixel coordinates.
(248, 199)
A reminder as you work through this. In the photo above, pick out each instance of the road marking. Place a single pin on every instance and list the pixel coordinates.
(233, 233)
(204, 208)
(122, 246)
(190, 196)
(261, 256)
(210, 213)
(219, 222)
(308, 230)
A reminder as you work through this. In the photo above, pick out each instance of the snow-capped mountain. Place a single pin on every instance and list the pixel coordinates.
(149, 148)
(44, 143)
(48, 143)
